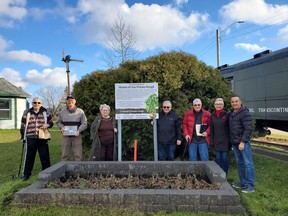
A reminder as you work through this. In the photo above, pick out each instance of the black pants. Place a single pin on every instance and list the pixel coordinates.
(32, 145)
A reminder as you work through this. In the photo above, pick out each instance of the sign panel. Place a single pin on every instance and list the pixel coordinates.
(136, 100)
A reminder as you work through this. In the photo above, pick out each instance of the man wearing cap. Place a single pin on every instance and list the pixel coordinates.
(72, 121)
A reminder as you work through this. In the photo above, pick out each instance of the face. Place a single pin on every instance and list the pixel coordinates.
(36, 104)
(71, 103)
(105, 112)
(218, 105)
(197, 106)
(235, 103)
(166, 107)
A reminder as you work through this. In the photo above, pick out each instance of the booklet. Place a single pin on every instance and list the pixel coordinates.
(200, 128)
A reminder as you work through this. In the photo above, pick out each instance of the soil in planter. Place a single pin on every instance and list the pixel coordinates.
(155, 181)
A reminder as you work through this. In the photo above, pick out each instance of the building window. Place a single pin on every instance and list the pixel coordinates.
(5, 108)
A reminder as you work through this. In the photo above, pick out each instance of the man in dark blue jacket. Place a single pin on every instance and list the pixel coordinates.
(168, 132)
(240, 123)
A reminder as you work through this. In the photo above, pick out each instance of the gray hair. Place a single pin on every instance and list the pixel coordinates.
(103, 106)
(197, 100)
(219, 99)
(167, 101)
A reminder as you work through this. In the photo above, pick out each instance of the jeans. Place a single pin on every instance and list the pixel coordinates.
(166, 152)
(245, 164)
(222, 159)
(203, 151)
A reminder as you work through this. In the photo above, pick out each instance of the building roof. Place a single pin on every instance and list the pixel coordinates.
(7, 89)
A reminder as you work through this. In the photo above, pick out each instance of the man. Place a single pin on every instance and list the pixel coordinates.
(196, 129)
(72, 122)
(168, 132)
(240, 122)
(33, 119)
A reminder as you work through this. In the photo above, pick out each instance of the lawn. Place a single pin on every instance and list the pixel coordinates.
(270, 197)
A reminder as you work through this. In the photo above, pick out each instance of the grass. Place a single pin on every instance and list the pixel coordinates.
(270, 197)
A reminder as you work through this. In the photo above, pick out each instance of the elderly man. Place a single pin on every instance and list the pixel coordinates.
(72, 122)
(168, 132)
(240, 123)
(196, 129)
(32, 120)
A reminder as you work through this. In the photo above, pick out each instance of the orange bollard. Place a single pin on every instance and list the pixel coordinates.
(135, 149)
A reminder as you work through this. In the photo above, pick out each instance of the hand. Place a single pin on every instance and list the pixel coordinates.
(204, 134)
(187, 137)
(241, 146)
(77, 133)
(178, 142)
(115, 130)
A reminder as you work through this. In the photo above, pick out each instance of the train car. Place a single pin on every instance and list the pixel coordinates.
(262, 84)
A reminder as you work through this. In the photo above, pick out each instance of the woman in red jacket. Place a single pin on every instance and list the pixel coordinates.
(196, 129)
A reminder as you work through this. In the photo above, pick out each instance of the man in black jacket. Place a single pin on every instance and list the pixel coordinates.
(168, 132)
(240, 123)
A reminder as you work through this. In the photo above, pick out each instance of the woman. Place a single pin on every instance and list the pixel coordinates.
(219, 134)
(102, 133)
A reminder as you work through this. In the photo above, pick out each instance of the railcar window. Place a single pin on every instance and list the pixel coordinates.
(230, 79)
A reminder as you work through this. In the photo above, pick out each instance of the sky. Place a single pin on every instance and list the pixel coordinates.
(34, 32)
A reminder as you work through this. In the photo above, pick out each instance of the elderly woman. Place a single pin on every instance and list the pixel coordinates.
(102, 133)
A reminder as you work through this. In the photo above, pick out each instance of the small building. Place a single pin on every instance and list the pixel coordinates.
(13, 102)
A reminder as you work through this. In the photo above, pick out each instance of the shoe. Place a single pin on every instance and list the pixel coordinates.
(239, 186)
(25, 178)
(248, 190)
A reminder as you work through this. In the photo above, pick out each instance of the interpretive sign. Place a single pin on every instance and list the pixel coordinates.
(136, 100)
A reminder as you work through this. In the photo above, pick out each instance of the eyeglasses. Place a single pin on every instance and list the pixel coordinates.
(218, 104)
(165, 107)
(36, 102)
(197, 105)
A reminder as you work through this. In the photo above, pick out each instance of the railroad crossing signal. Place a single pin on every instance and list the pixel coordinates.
(67, 59)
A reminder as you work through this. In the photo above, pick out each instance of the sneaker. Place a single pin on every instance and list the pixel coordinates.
(248, 190)
(25, 178)
(239, 186)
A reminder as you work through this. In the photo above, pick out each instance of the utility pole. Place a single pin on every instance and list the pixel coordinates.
(218, 40)
(67, 59)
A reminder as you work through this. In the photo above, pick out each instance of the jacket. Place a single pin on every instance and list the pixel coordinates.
(168, 128)
(35, 120)
(240, 124)
(96, 145)
(188, 123)
(219, 131)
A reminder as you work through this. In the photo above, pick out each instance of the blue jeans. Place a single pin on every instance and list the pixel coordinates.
(222, 159)
(245, 164)
(166, 152)
(203, 151)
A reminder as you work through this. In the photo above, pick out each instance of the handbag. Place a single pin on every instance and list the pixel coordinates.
(44, 134)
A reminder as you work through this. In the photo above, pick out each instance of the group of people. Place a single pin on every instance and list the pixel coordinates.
(72, 121)
(221, 130)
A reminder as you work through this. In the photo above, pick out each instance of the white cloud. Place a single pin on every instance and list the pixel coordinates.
(254, 11)
(283, 34)
(250, 47)
(11, 10)
(49, 77)
(155, 26)
(21, 55)
(181, 2)
(14, 77)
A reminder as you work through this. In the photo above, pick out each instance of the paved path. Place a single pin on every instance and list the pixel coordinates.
(270, 153)
(275, 131)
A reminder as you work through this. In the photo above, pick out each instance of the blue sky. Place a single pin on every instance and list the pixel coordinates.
(33, 33)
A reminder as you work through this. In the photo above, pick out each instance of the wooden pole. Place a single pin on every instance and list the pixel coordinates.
(135, 149)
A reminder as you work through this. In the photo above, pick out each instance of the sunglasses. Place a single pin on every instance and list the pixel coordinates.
(197, 105)
(36, 102)
(165, 107)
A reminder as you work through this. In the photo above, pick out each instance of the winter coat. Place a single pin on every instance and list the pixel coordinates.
(168, 128)
(219, 131)
(188, 123)
(96, 145)
(240, 124)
